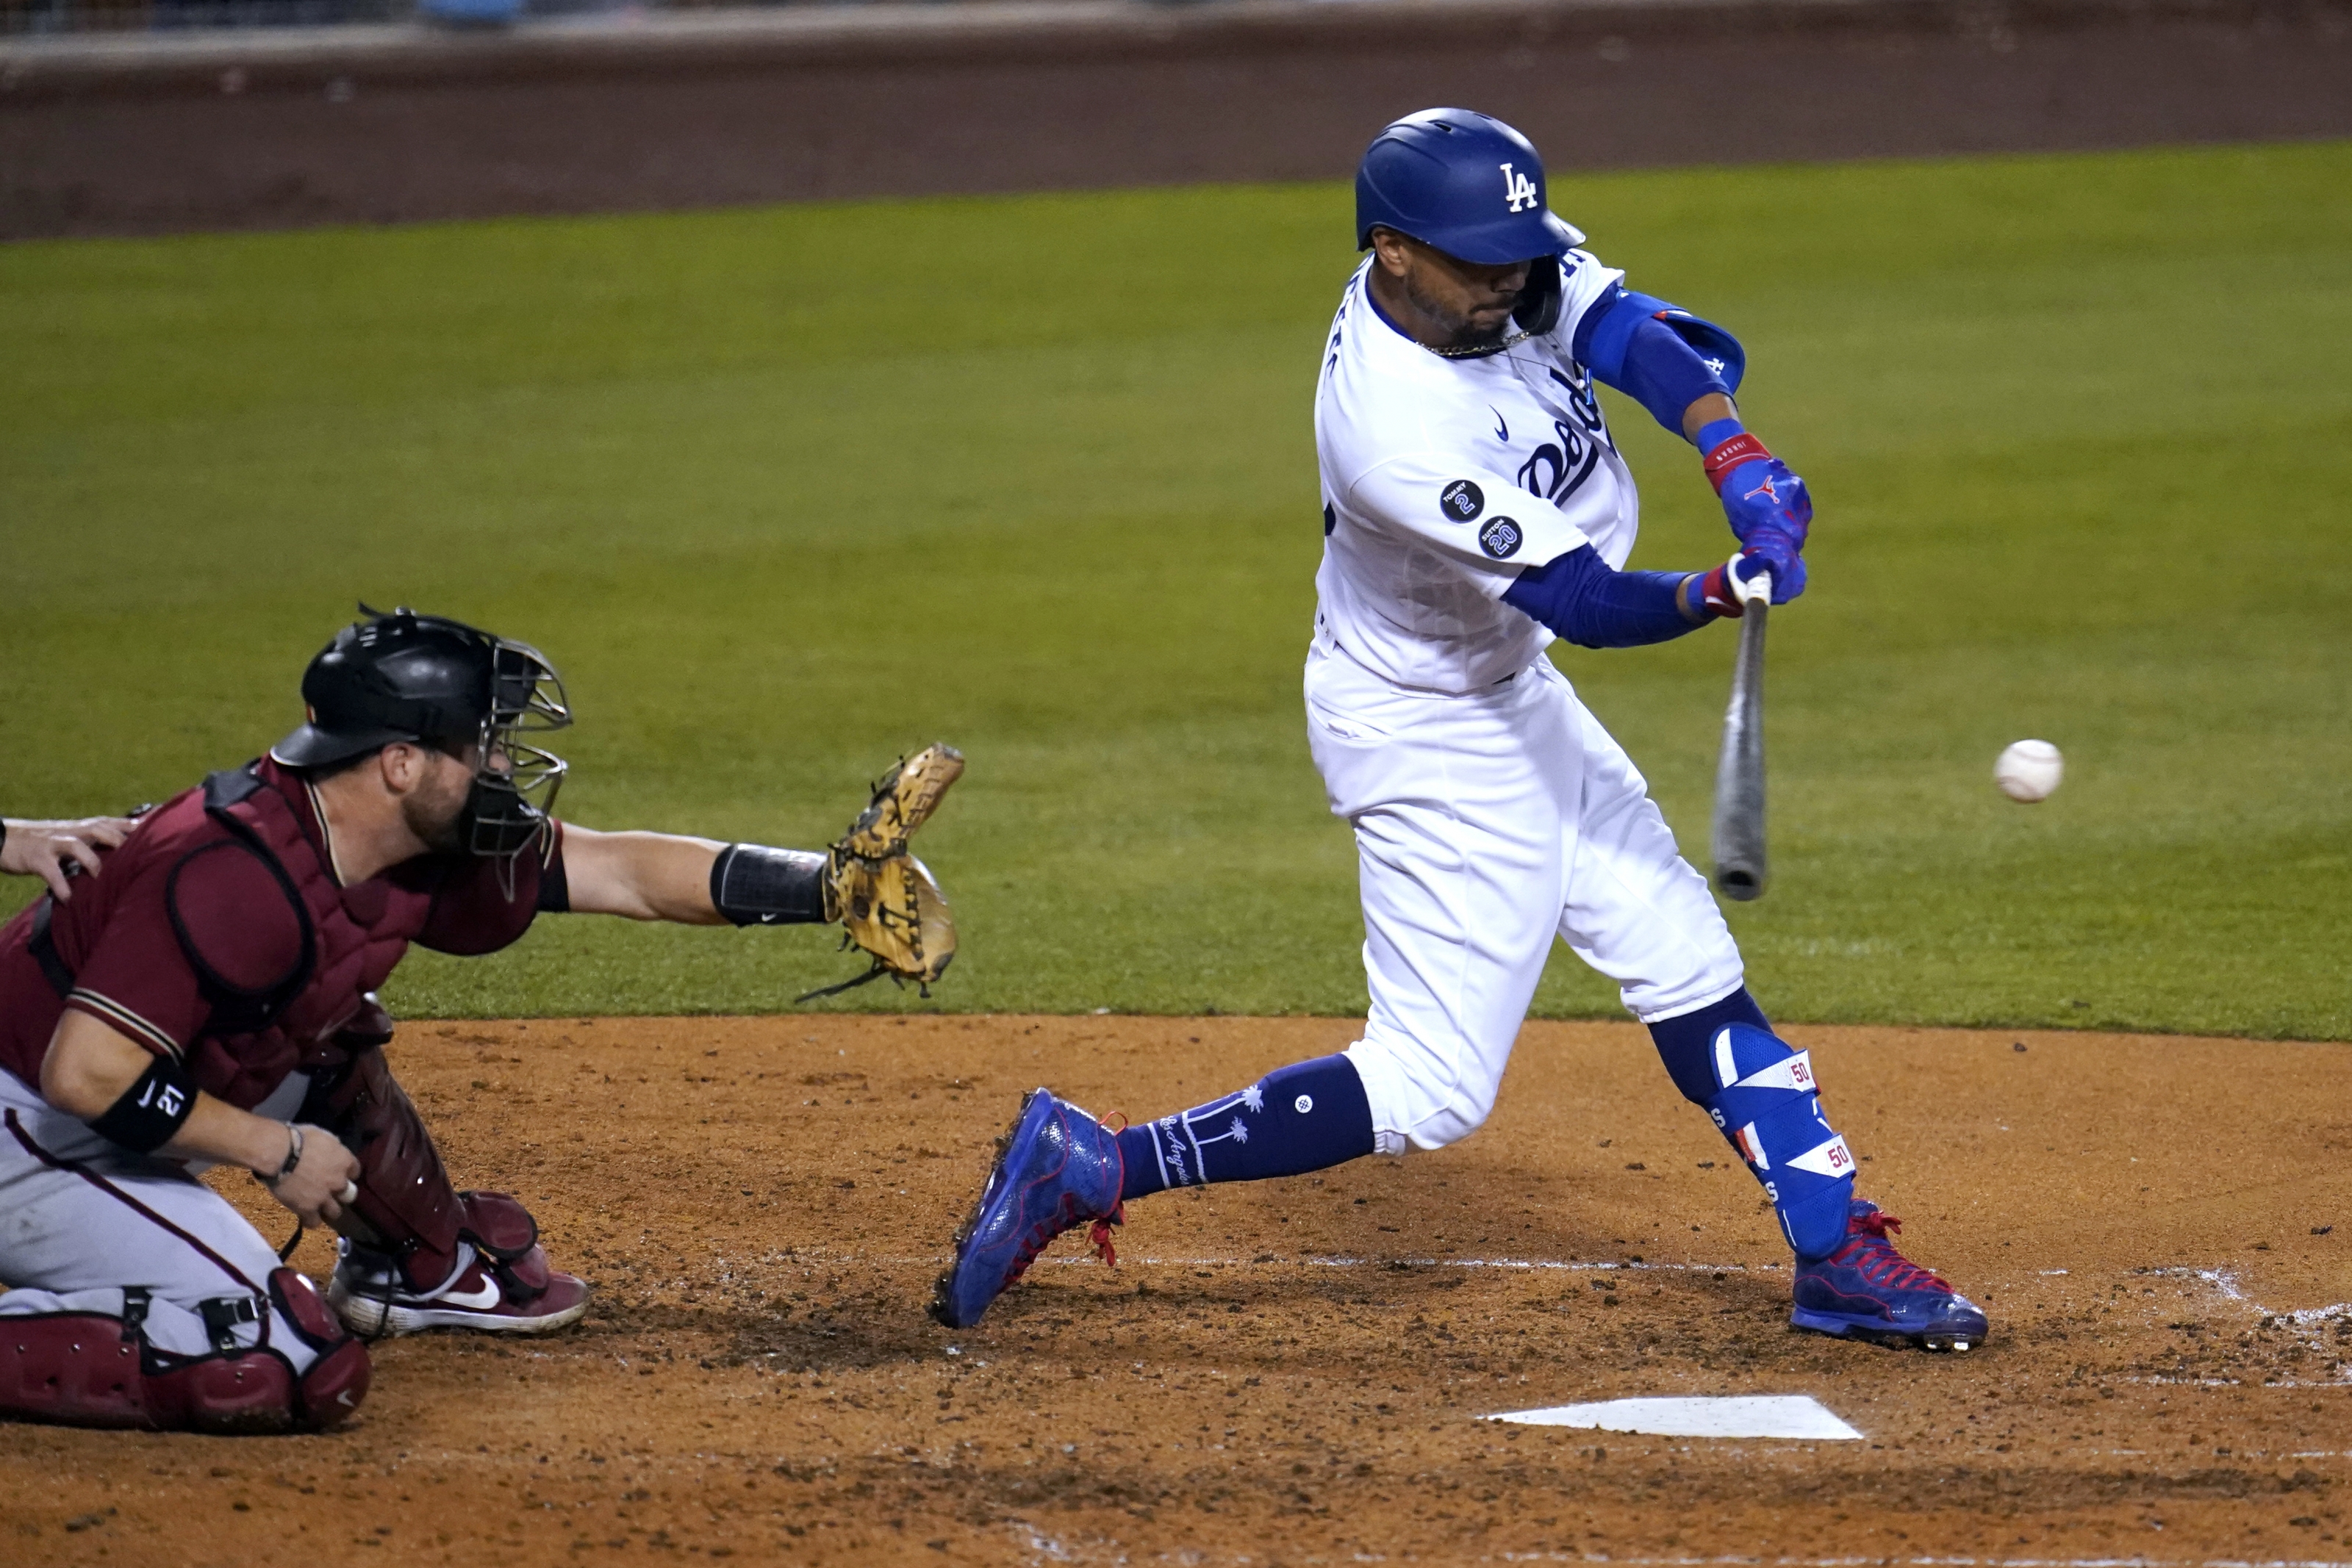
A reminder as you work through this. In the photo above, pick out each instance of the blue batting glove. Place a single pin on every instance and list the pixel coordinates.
(1756, 490)
(1778, 549)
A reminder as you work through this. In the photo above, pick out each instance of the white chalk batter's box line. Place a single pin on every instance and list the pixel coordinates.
(1916, 1562)
(1059, 1552)
(934, 1260)
(2226, 1282)
(1048, 1549)
(2223, 1280)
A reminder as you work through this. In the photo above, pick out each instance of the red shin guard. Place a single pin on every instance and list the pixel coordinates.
(508, 1238)
(406, 1208)
(232, 1394)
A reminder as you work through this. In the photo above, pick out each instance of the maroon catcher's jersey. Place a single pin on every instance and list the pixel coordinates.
(218, 936)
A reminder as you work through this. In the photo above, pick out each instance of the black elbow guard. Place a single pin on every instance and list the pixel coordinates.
(752, 884)
(152, 1110)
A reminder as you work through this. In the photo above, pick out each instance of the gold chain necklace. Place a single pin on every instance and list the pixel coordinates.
(1514, 341)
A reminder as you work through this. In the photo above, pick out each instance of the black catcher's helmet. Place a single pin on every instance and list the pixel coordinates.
(440, 683)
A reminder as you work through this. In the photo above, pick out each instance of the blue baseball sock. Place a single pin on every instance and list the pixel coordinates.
(1306, 1117)
(1686, 1044)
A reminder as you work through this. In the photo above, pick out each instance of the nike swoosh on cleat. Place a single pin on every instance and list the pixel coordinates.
(489, 1296)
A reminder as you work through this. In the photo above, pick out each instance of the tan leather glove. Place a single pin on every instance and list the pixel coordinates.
(884, 897)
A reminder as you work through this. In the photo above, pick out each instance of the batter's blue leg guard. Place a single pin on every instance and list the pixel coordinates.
(1768, 1104)
(1759, 1091)
(1686, 1044)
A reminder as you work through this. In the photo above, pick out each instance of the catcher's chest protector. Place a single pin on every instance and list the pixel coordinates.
(352, 938)
(281, 954)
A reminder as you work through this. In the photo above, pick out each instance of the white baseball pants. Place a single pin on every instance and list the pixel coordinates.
(1485, 825)
(81, 1217)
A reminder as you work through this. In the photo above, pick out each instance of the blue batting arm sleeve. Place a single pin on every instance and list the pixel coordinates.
(1582, 598)
(1660, 355)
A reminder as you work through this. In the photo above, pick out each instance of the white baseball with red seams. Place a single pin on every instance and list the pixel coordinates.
(2029, 770)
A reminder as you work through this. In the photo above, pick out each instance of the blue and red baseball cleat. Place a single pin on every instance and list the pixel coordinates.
(1866, 1289)
(1058, 1168)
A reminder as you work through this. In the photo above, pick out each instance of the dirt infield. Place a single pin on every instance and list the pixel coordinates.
(1289, 1372)
(268, 129)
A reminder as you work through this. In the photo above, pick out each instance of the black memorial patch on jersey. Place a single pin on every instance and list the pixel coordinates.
(1500, 538)
(1462, 501)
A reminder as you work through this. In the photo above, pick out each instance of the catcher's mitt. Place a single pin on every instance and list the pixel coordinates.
(884, 897)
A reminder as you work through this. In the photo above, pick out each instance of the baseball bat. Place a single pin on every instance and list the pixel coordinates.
(1739, 840)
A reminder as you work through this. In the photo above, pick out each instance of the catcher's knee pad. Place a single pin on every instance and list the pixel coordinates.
(332, 1385)
(255, 1389)
(90, 1369)
(1767, 1103)
(82, 1369)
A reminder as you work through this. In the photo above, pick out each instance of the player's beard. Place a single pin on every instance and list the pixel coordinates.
(1464, 331)
(437, 818)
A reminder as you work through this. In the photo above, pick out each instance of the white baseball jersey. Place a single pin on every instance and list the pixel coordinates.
(1491, 814)
(1443, 479)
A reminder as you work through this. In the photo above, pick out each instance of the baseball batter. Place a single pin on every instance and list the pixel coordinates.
(1474, 509)
(208, 999)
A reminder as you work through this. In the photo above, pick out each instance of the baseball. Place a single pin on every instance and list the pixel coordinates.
(2029, 770)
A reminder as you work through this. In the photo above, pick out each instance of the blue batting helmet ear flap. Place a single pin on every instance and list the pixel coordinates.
(1462, 182)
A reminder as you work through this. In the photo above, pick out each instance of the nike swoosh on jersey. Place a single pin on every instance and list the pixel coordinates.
(1502, 431)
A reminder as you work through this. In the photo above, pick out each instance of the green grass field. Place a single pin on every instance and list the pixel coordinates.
(788, 491)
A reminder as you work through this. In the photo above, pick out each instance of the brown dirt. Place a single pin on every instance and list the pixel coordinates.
(223, 133)
(1288, 1371)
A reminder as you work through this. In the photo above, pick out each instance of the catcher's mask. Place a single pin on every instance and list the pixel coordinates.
(440, 683)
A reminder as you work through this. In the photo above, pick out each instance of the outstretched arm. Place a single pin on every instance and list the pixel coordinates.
(689, 881)
(640, 876)
(881, 895)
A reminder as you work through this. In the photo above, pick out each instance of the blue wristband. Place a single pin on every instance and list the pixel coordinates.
(1715, 433)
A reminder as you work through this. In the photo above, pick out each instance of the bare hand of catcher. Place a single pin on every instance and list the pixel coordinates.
(54, 850)
(324, 1175)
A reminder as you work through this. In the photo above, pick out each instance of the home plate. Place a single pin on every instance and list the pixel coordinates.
(1739, 1416)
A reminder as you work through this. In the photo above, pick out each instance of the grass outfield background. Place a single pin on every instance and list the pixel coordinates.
(785, 492)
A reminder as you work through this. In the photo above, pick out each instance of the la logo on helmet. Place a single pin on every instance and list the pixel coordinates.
(1519, 190)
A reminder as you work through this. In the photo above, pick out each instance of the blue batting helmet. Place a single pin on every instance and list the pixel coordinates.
(1462, 182)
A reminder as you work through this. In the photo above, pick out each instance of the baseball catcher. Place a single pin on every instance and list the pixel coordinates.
(209, 1000)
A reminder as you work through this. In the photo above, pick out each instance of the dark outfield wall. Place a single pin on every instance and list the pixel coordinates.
(268, 129)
